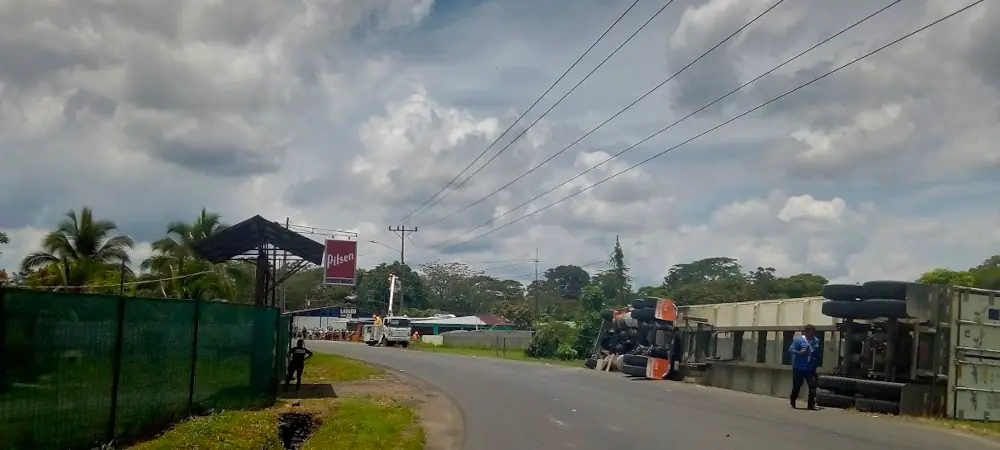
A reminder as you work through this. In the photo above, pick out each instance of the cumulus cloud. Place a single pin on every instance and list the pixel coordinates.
(349, 115)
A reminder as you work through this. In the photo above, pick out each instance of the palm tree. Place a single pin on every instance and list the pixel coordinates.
(184, 274)
(80, 249)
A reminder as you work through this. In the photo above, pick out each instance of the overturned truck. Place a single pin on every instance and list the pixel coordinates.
(639, 341)
(908, 348)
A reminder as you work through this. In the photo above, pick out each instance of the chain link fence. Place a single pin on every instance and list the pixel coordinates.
(80, 369)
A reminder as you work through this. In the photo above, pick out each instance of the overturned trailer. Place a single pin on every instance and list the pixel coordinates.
(639, 341)
(909, 348)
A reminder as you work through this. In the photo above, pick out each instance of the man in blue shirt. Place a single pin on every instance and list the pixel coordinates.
(805, 353)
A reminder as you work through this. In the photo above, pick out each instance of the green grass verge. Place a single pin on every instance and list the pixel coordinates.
(368, 424)
(230, 430)
(327, 368)
(350, 423)
(512, 354)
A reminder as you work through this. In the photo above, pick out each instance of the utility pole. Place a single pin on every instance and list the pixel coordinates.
(537, 287)
(401, 230)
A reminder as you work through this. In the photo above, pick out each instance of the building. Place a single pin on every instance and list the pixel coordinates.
(335, 317)
(437, 325)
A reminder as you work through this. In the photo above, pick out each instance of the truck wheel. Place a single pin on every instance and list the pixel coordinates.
(634, 360)
(404, 344)
(832, 400)
(370, 343)
(876, 389)
(644, 303)
(895, 290)
(843, 292)
(838, 385)
(590, 363)
(382, 342)
(635, 371)
(876, 406)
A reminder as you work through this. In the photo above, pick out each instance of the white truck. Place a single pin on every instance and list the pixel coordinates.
(390, 331)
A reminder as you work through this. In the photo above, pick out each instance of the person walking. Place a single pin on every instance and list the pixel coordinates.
(805, 353)
(297, 363)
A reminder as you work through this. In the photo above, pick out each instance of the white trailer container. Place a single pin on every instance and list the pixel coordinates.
(974, 370)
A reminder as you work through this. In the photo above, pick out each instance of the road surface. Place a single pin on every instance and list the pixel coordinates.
(525, 405)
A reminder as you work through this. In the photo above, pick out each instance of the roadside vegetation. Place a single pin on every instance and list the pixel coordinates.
(481, 352)
(351, 422)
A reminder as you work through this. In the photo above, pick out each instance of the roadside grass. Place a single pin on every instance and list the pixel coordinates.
(515, 354)
(988, 428)
(368, 424)
(356, 423)
(327, 368)
(226, 430)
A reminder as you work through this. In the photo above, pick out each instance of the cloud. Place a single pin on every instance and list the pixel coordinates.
(350, 115)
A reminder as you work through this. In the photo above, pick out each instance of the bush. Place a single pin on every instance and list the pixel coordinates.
(566, 352)
(548, 338)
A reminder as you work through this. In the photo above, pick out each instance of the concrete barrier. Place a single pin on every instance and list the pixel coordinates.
(498, 339)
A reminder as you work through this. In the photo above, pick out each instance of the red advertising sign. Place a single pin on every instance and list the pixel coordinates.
(341, 262)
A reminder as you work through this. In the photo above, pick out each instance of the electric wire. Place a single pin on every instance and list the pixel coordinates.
(585, 53)
(716, 127)
(613, 117)
(542, 116)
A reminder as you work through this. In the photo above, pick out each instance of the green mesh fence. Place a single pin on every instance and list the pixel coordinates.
(79, 369)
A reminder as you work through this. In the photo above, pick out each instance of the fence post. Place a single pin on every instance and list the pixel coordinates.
(117, 369)
(505, 346)
(194, 354)
(3, 341)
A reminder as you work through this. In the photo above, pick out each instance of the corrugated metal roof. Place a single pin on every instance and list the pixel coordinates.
(465, 320)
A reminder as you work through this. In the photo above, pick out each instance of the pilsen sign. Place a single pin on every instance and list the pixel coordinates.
(341, 262)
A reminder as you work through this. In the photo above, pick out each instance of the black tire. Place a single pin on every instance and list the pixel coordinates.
(843, 292)
(659, 352)
(644, 314)
(634, 360)
(607, 314)
(866, 309)
(838, 385)
(590, 363)
(405, 344)
(871, 405)
(644, 303)
(635, 371)
(371, 343)
(831, 400)
(879, 390)
(894, 290)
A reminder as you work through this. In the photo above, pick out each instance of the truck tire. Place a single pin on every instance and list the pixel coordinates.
(644, 314)
(404, 344)
(880, 390)
(894, 290)
(866, 309)
(843, 292)
(635, 371)
(607, 314)
(871, 405)
(590, 363)
(370, 343)
(634, 360)
(830, 399)
(644, 303)
(838, 385)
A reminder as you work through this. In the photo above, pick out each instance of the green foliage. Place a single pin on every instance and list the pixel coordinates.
(548, 337)
(588, 323)
(721, 280)
(373, 291)
(985, 275)
(515, 312)
(947, 276)
(568, 280)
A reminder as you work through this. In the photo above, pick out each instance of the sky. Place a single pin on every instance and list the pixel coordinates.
(351, 114)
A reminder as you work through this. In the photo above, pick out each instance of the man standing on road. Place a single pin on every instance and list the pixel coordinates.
(805, 360)
(297, 363)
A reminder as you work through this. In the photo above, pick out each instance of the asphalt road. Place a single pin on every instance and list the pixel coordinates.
(525, 405)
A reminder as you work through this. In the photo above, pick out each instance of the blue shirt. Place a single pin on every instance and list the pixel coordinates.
(808, 360)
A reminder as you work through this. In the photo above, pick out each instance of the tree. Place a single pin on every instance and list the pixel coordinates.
(516, 313)
(709, 280)
(593, 298)
(80, 249)
(800, 285)
(4, 239)
(947, 276)
(761, 283)
(183, 274)
(568, 280)
(373, 291)
(449, 286)
(302, 289)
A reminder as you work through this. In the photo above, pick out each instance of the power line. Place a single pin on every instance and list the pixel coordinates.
(613, 117)
(762, 105)
(523, 132)
(599, 39)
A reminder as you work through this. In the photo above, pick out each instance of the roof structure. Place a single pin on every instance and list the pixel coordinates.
(256, 232)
